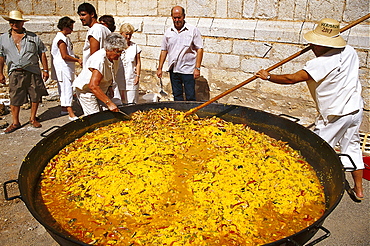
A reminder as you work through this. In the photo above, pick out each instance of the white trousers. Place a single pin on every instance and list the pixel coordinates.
(116, 97)
(345, 131)
(88, 101)
(131, 96)
(65, 90)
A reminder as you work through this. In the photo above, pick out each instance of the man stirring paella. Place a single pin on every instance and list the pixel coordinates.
(333, 80)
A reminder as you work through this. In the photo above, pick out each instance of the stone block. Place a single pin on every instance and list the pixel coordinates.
(355, 9)
(249, 7)
(292, 10)
(295, 91)
(137, 22)
(281, 51)
(363, 57)
(150, 52)
(205, 8)
(149, 64)
(278, 31)
(251, 48)
(40, 24)
(122, 7)
(234, 9)
(10, 5)
(4, 26)
(65, 8)
(286, 9)
(154, 40)
(359, 36)
(155, 25)
(217, 45)
(320, 9)
(142, 8)
(110, 8)
(221, 10)
(266, 9)
(204, 26)
(240, 29)
(211, 60)
(74, 37)
(164, 7)
(42, 7)
(230, 61)
(26, 6)
(253, 65)
(306, 27)
(228, 79)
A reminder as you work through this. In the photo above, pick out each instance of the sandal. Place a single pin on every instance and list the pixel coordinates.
(12, 128)
(354, 196)
(35, 123)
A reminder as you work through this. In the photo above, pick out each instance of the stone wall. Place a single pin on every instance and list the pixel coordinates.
(240, 37)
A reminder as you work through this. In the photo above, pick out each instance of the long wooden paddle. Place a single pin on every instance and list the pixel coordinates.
(193, 110)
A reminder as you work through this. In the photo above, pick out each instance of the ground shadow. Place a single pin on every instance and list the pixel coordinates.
(54, 112)
(202, 89)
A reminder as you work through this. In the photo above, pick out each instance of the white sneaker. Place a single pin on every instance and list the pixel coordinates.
(73, 118)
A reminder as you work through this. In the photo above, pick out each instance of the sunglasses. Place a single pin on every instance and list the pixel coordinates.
(15, 21)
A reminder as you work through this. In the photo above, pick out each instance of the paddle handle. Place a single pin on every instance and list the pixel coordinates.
(193, 110)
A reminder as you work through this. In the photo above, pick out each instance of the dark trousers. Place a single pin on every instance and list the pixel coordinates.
(180, 83)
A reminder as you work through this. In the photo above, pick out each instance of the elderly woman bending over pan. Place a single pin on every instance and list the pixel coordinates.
(98, 74)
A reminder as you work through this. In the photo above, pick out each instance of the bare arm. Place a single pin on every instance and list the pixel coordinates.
(299, 76)
(95, 80)
(138, 68)
(2, 77)
(162, 58)
(198, 62)
(94, 45)
(44, 62)
(63, 51)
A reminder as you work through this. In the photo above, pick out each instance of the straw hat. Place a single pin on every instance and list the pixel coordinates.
(326, 34)
(14, 15)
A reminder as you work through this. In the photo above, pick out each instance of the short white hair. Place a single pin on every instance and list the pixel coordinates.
(115, 41)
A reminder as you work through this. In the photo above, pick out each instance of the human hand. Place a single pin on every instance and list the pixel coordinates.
(196, 73)
(159, 73)
(45, 76)
(112, 107)
(137, 78)
(262, 74)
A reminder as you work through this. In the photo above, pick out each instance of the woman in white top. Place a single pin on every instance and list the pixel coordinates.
(98, 74)
(63, 65)
(132, 66)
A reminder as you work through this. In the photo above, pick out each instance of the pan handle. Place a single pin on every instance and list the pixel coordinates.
(45, 133)
(320, 238)
(289, 116)
(314, 241)
(6, 191)
(350, 159)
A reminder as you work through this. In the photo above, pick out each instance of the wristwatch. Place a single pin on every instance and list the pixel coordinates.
(45, 70)
(198, 68)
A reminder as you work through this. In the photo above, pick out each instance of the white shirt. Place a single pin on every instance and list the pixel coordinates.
(59, 66)
(128, 58)
(182, 48)
(97, 31)
(336, 88)
(100, 62)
